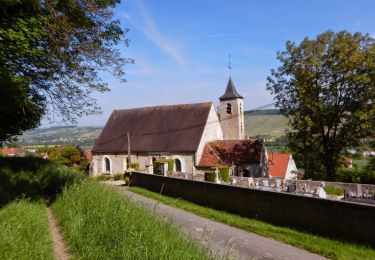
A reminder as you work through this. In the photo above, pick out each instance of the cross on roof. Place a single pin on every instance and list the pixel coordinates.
(229, 67)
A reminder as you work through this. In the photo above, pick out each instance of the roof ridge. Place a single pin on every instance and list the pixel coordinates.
(165, 106)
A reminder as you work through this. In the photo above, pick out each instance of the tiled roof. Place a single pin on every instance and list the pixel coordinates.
(278, 164)
(12, 151)
(177, 128)
(228, 152)
(230, 91)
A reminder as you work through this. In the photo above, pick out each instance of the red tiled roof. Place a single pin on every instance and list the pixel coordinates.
(12, 151)
(278, 164)
(228, 152)
(177, 128)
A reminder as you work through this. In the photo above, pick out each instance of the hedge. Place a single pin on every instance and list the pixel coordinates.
(209, 175)
(134, 166)
(224, 173)
(160, 161)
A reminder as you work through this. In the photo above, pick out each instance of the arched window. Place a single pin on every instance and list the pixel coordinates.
(107, 164)
(177, 164)
(229, 108)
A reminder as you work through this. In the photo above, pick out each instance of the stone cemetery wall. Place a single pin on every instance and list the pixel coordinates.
(341, 220)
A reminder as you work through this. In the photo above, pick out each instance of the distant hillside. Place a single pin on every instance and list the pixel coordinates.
(72, 135)
(265, 122)
(260, 122)
(264, 112)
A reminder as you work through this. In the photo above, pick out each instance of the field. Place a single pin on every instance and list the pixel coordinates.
(96, 220)
(272, 125)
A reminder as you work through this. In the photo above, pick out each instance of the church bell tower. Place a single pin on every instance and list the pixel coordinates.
(231, 113)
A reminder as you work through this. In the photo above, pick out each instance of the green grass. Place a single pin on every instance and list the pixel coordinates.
(24, 231)
(327, 247)
(100, 223)
(332, 190)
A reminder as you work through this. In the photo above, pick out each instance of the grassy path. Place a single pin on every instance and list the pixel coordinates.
(59, 248)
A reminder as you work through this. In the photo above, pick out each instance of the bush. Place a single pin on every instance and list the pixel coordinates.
(157, 164)
(102, 177)
(170, 164)
(224, 173)
(356, 175)
(118, 176)
(209, 175)
(134, 166)
(332, 190)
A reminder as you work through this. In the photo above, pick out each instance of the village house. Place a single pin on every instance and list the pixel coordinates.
(282, 166)
(13, 151)
(183, 133)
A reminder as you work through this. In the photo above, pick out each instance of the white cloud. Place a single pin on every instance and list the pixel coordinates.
(149, 28)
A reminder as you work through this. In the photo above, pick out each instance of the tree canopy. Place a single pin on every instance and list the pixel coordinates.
(51, 54)
(326, 87)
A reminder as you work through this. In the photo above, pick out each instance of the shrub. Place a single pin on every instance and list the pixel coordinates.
(332, 190)
(157, 164)
(103, 177)
(134, 166)
(224, 173)
(170, 164)
(33, 178)
(118, 176)
(209, 175)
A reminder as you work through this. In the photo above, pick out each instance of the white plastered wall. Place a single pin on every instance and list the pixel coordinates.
(291, 170)
(212, 132)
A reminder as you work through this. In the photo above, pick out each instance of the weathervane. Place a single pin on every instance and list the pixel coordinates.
(229, 67)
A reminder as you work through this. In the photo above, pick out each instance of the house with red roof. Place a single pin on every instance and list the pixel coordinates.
(247, 158)
(282, 166)
(13, 151)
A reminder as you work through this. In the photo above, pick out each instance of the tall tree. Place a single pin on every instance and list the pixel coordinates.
(326, 87)
(53, 50)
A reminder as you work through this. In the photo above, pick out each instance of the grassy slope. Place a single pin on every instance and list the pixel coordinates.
(273, 125)
(324, 246)
(99, 223)
(24, 232)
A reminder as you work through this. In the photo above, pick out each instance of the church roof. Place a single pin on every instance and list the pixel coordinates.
(177, 128)
(228, 152)
(230, 91)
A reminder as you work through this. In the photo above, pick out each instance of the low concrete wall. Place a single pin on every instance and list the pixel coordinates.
(342, 220)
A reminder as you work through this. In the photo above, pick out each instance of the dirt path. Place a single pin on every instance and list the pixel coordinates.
(59, 247)
(223, 240)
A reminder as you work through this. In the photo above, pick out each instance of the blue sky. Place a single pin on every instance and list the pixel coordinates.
(181, 47)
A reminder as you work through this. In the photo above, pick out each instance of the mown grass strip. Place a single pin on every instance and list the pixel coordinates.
(327, 247)
(24, 231)
(99, 223)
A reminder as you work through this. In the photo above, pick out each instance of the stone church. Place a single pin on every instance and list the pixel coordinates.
(195, 136)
